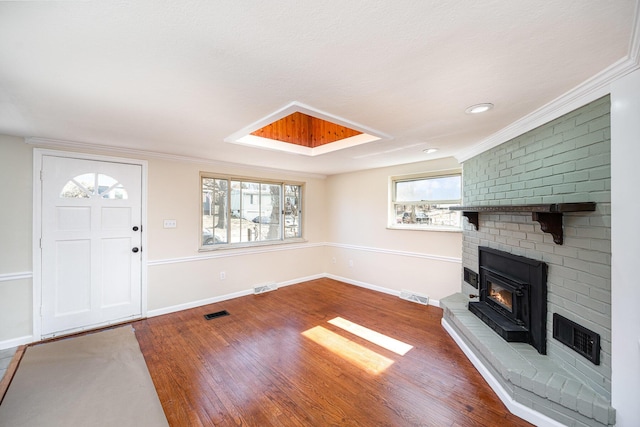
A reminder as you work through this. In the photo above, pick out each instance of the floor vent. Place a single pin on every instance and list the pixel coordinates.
(412, 296)
(577, 337)
(216, 314)
(261, 289)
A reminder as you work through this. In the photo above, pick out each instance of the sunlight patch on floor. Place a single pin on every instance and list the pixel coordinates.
(354, 353)
(372, 336)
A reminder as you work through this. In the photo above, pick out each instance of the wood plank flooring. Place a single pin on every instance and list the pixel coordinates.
(277, 361)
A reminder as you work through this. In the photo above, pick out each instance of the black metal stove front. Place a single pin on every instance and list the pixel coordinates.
(513, 297)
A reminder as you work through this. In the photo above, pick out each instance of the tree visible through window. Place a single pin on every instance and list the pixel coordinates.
(423, 201)
(236, 211)
(92, 184)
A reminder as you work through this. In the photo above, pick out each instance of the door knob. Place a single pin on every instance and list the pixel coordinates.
(135, 250)
(135, 228)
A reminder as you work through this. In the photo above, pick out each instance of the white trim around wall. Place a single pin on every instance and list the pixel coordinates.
(15, 342)
(8, 277)
(221, 298)
(287, 247)
(396, 252)
(38, 154)
(227, 253)
(212, 300)
(433, 302)
(365, 285)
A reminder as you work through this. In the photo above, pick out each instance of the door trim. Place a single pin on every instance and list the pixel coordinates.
(38, 154)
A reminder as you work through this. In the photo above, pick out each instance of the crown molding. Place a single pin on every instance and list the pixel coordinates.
(594, 88)
(148, 154)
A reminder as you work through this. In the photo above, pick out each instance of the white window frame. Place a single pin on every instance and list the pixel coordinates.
(392, 222)
(283, 239)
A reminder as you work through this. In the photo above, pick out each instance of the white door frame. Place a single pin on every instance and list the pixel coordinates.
(38, 154)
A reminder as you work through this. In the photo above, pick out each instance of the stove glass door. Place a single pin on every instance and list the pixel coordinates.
(500, 295)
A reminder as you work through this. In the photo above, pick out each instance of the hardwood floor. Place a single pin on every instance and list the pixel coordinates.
(277, 361)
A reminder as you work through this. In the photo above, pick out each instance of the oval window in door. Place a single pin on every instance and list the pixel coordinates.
(90, 185)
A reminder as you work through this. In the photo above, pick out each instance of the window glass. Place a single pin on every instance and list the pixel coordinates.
(237, 211)
(292, 212)
(90, 185)
(423, 202)
(440, 188)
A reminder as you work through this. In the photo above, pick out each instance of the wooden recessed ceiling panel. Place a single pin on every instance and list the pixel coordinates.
(307, 131)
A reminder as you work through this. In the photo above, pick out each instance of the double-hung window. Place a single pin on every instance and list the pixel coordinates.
(422, 201)
(247, 211)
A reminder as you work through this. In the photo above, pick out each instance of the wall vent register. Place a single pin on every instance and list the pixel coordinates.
(580, 339)
(471, 277)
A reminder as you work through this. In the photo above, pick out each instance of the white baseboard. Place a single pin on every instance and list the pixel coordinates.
(433, 302)
(220, 298)
(363, 284)
(301, 279)
(516, 408)
(198, 303)
(15, 342)
(193, 304)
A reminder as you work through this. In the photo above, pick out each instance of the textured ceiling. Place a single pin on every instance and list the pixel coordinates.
(178, 77)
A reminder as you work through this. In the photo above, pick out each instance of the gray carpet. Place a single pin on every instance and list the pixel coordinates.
(98, 380)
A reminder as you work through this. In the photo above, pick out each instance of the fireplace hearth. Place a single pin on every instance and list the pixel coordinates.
(513, 297)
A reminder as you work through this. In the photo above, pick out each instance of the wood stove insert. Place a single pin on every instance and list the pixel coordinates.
(513, 297)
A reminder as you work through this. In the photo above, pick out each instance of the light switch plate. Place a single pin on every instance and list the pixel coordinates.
(170, 223)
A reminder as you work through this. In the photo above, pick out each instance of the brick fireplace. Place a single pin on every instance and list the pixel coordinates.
(564, 161)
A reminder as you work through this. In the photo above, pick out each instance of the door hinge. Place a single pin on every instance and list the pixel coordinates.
(41, 243)
(41, 175)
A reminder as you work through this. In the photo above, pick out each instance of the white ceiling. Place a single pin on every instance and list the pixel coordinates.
(178, 77)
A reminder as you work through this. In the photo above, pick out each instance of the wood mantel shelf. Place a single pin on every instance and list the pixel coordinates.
(548, 215)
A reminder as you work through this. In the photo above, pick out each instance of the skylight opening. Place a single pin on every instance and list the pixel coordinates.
(300, 129)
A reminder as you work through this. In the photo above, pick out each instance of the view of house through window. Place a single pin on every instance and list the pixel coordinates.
(249, 211)
(92, 184)
(423, 201)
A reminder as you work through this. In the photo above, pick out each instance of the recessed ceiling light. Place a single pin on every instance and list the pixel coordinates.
(479, 108)
(429, 150)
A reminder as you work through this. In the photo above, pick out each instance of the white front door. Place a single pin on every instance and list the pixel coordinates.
(91, 237)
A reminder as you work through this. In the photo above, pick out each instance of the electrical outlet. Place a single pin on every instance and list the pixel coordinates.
(170, 223)
(350, 263)
(223, 275)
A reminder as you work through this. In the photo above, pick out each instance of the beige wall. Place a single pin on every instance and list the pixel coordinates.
(174, 281)
(15, 238)
(174, 193)
(426, 262)
(345, 218)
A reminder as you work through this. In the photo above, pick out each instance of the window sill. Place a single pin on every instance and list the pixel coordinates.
(425, 228)
(231, 246)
